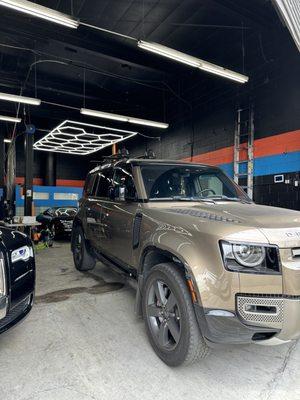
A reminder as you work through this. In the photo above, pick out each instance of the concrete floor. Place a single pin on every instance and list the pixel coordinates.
(82, 341)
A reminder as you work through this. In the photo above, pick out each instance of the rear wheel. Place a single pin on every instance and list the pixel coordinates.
(170, 318)
(82, 259)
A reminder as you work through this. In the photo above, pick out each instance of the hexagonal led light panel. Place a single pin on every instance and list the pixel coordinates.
(71, 137)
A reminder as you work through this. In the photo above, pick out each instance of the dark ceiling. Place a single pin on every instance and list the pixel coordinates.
(106, 72)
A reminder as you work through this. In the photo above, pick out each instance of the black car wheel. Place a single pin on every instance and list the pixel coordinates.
(170, 318)
(82, 259)
(53, 232)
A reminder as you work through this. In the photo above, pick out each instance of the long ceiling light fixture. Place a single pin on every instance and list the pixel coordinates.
(290, 13)
(20, 99)
(72, 137)
(123, 118)
(10, 119)
(39, 11)
(192, 61)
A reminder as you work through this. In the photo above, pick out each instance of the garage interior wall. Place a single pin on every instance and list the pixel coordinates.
(210, 127)
(109, 73)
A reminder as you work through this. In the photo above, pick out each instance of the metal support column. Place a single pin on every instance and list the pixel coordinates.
(50, 170)
(28, 190)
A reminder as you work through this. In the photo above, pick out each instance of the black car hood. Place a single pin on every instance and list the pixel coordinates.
(12, 239)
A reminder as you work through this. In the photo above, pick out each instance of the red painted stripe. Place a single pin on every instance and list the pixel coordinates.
(36, 181)
(69, 182)
(277, 144)
(59, 182)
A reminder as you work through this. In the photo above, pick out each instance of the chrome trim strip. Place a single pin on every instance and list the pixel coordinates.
(22, 276)
(2, 276)
(3, 306)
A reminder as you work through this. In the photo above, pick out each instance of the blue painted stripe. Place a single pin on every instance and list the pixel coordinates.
(50, 191)
(270, 165)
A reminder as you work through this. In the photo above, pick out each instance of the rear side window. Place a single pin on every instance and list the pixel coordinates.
(105, 180)
(88, 186)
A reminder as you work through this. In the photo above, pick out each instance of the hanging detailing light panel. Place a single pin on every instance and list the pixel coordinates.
(71, 137)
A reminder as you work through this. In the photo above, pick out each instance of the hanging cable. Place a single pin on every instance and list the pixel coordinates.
(108, 31)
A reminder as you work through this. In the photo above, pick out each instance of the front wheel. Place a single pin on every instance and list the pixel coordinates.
(170, 318)
(82, 259)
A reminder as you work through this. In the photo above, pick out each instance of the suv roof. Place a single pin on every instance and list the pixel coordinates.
(152, 161)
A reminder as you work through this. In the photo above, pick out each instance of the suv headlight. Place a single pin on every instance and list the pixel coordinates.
(250, 258)
(22, 253)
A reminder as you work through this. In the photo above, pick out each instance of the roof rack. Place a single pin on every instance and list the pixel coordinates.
(120, 155)
(149, 154)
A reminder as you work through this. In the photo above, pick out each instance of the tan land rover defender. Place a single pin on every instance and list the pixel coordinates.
(211, 267)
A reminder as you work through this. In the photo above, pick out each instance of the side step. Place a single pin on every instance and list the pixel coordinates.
(130, 275)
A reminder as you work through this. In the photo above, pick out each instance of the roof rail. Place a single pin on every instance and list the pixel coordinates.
(122, 154)
(149, 154)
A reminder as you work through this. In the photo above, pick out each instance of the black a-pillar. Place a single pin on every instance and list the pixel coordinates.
(2, 159)
(50, 169)
(28, 190)
(2, 169)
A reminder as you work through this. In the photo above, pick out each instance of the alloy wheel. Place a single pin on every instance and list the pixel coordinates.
(163, 314)
(78, 248)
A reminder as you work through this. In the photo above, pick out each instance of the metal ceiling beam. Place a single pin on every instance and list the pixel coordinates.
(115, 50)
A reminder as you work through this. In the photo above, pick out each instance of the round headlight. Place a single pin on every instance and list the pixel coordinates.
(248, 254)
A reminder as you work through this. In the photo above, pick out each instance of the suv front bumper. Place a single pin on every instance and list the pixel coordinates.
(276, 321)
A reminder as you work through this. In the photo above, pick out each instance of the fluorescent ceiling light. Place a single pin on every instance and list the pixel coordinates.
(10, 119)
(20, 99)
(123, 118)
(102, 114)
(192, 61)
(290, 12)
(226, 73)
(39, 11)
(71, 137)
(7, 140)
(169, 53)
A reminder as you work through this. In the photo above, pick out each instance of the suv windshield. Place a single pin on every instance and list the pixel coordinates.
(173, 182)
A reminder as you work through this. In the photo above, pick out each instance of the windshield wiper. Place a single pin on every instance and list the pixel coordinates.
(181, 198)
(226, 198)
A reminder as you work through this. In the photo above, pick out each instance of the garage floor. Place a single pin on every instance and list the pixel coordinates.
(82, 341)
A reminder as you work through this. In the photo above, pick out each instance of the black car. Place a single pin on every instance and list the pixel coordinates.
(58, 219)
(17, 277)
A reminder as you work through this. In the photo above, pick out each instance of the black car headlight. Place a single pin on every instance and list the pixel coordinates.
(22, 253)
(250, 258)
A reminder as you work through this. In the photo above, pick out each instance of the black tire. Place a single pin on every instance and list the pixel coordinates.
(53, 232)
(183, 342)
(83, 260)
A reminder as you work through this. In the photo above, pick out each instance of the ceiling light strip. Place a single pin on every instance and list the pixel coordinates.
(123, 118)
(192, 61)
(39, 11)
(10, 119)
(20, 99)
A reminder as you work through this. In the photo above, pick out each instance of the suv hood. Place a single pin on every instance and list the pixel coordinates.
(277, 225)
(251, 215)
